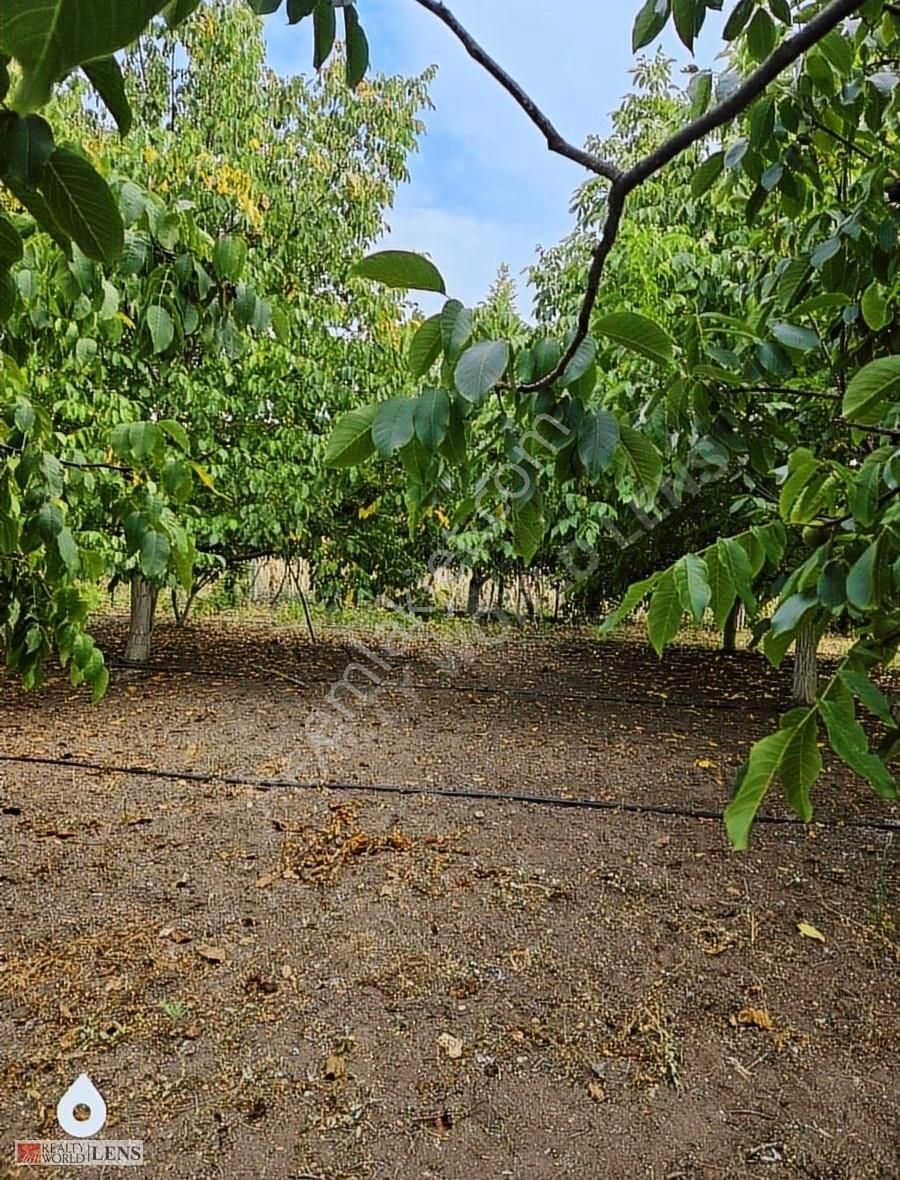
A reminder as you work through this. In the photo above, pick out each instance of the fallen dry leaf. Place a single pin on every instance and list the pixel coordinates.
(451, 1045)
(212, 954)
(810, 932)
(268, 879)
(757, 1017)
(174, 935)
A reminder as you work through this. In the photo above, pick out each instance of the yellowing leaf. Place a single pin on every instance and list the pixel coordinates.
(756, 1017)
(451, 1045)
(810, 932)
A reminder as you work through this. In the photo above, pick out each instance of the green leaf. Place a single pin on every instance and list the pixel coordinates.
(25, 147)
(870, 694)
(722, 589)
(425, 347)
(480, 368)
(11, 248)
(105, 75)
(230, 257)
(802, 765)
(177, 11)
(687, 13)
(8, 296)
(400, 268)
(527, 524)
(81, 203)
(325, 31)
(825, 252)
(650, 22)
(733, 558)
(176, 433)
(791, 613)
(793, 336)
(701, 92)
(298, 10)
(357, 47)
(161, 327)
(637, 332)
(848, 740)
(872, 390)
(831, 587)
(737, 22)
(432, 418)
(692, 583)
(154, 559)
(394, 425)
(598, 438)
(351, 440)
(664, 616)
(862, 581)
(761, 35)
(53, 37)
(453, 448)
(68, 550)
(634, 595)
(643, 458)
(580, 363)
(874, 307)
(707, 174)
(755, 780)
(456, 328)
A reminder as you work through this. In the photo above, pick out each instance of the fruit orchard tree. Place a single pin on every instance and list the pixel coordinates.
(238, 182)
(796, 137)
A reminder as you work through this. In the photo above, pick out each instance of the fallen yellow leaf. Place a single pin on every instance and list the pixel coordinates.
(810, 931)
(758, 1017)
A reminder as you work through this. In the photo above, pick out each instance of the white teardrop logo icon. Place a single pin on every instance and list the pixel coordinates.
(82, 1092)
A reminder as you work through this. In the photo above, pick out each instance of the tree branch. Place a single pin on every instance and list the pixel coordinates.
(555, 142)
(784, 55)
(783, 390)
(887, 431)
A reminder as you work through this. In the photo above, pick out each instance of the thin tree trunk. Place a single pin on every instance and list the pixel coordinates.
(729, 634)
(476, 584)
(526, 594)
(806, 664)
(143, 613)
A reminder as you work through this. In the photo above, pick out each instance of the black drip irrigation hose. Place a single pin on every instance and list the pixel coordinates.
(457, 793)
(764, 707)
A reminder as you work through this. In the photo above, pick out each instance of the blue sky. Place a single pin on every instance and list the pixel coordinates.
(484, 189)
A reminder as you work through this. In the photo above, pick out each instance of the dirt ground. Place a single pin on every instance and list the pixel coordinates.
(346, 985)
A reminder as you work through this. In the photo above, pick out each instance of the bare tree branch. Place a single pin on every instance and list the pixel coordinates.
(624, 183)
(555, 142)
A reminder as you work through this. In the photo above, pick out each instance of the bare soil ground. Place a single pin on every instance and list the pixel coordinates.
(339, 985)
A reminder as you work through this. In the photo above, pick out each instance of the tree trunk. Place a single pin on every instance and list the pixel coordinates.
(805, 664)
(476, 584)
(143, 612)
(729, 635)
(526, 594)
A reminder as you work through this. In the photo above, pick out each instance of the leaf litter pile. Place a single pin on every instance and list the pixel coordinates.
(305, 984)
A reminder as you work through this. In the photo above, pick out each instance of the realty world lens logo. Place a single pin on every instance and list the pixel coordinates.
(82, 1149)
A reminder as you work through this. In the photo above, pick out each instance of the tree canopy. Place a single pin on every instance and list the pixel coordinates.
(719, 330)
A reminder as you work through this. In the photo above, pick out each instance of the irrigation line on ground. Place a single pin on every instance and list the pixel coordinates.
(470, 793)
